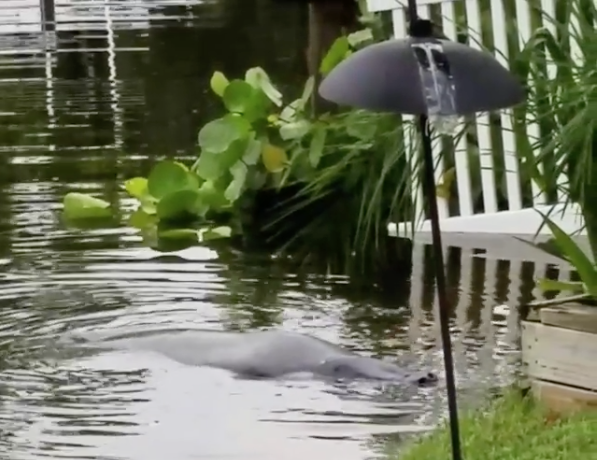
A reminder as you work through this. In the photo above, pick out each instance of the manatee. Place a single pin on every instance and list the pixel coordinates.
(264, 354)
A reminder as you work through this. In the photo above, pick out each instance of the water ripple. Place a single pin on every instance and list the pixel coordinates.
(90, 406)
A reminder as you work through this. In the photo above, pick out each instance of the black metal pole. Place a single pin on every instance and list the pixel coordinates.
(423, 28)
(440, 278)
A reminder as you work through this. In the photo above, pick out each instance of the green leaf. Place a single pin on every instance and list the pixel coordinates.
(258, 78)
(443, 188)
(579, 260)
(180, 205)
(212, 197)
(218, 83)
(274, 158)
(83, 206)
(259, 109)
(252, 152)
(239, 174)
(317, 145)
(137, 187)
(211, 165)
(359, 37)
(291, 111)
(217, 135)
(140, 219)
(295, 130)
(365, 130)
(307, 91)
(168, 177)
(555, 285)
(179, 234)
(148, 204)
(241, 98)
(206, 234)
(238, 96)
(336, 54)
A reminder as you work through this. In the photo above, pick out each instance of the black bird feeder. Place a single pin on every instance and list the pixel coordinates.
(437, 80)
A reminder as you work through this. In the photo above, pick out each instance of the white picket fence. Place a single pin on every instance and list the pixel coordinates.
(518, 219)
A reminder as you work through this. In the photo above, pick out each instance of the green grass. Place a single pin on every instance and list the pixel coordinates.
(512, 428)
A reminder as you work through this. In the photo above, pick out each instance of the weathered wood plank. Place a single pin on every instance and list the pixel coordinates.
(571, 316)
(561, 398)
(528, 335)
(560, 355)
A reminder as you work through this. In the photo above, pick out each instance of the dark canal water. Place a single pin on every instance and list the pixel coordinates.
(121, 91)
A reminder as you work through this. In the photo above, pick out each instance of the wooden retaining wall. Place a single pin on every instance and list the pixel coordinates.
(559, 351)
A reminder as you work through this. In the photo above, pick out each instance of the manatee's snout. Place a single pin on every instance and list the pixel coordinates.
(424, 378)
(354, 367)
(391, 372)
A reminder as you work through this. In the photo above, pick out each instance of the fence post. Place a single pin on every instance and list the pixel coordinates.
(48, 20)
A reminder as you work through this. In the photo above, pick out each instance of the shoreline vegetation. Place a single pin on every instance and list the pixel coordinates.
(511, 427)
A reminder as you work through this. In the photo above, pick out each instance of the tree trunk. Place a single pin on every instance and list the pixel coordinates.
(327, 21)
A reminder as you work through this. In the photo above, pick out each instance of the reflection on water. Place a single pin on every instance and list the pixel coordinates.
(118, 85)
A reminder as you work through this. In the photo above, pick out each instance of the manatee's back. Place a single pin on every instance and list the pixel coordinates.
(193, 347)
(266, 353)
(280, 352)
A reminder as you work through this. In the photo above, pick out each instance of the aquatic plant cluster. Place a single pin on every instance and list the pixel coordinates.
(264, 145)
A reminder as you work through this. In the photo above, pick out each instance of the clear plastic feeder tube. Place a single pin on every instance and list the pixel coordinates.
(439, 90)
